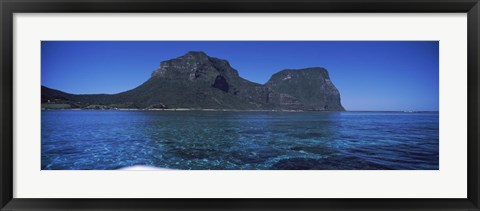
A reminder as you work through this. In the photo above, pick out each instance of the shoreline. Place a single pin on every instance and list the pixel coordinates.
(183, 109)
(224, 110)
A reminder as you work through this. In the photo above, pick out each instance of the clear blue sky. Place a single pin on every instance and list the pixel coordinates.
(370, 75)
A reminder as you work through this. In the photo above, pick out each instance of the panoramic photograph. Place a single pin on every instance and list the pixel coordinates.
(239, 105)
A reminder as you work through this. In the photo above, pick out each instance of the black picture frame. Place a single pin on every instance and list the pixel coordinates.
(9, 7)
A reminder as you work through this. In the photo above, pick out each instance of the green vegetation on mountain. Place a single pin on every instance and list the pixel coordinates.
(197, 81)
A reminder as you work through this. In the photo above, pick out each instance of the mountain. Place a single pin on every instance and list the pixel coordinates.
(198, 81)
(311, 86)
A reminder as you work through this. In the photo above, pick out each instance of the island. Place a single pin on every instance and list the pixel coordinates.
(196, 81)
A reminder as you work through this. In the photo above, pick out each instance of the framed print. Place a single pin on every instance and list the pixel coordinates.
(223, 105)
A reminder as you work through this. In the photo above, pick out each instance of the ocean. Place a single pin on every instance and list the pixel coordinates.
(239, 140)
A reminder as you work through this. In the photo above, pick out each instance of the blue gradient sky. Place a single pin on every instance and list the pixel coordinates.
(370, 75)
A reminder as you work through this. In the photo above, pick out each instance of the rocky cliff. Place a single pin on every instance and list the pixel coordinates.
(311, 86)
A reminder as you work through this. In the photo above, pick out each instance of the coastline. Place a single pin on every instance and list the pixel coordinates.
(184, 109)
(224, 110)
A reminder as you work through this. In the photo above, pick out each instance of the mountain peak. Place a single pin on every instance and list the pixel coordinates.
(192, 60)
(304, 72)
(195, 65)
(195, 54)
(312, 86)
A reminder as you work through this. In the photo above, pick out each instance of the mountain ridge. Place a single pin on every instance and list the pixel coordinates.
(198, 81)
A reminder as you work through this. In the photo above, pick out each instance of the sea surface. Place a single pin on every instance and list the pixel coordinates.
(228, 140)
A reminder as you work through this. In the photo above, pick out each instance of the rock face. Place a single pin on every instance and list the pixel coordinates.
(197, 81)
(311, 86)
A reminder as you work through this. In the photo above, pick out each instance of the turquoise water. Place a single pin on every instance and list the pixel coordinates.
(95, 139)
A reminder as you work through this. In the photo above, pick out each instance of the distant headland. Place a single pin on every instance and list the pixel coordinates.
(196, 81)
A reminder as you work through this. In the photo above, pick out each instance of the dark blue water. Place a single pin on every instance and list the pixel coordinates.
(93, 139)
